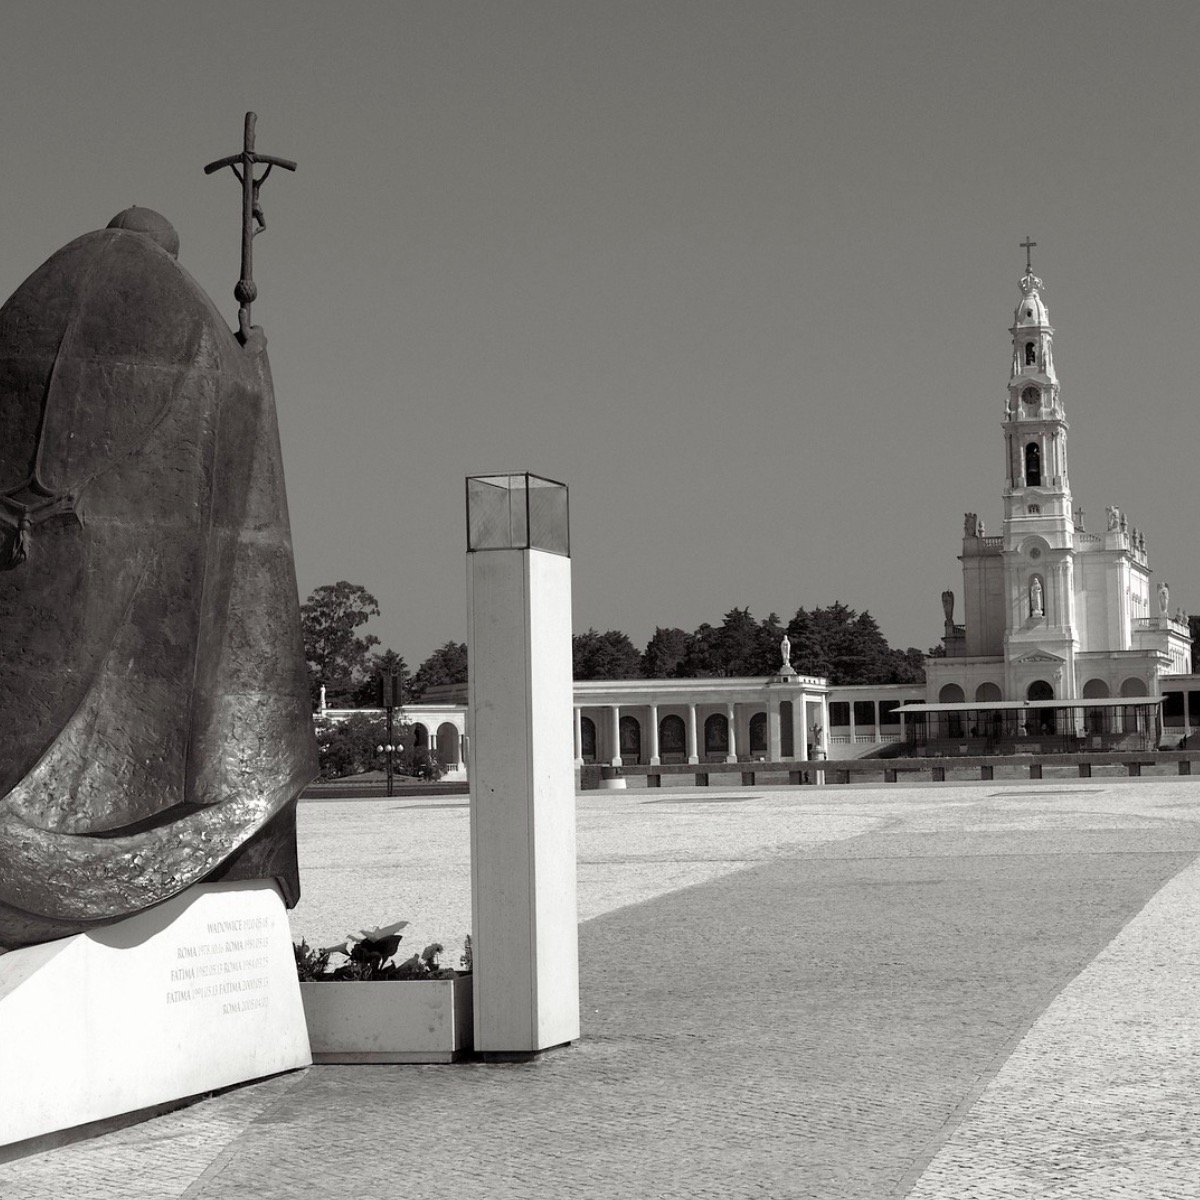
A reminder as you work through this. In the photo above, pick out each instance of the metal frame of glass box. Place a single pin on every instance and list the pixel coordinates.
(519, 511)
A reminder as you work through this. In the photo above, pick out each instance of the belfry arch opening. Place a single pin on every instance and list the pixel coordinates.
(1033, 465)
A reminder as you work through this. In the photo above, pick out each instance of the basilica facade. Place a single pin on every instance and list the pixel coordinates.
(1064, 633)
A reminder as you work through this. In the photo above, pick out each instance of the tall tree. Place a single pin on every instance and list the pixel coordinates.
(336, 654)
(664, 652)
(367, 693)
(447, 664)
(701, 659)
(608, 655)
(848, 648)
(740, 646)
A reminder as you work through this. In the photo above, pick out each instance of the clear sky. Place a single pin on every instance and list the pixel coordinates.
(739, 273)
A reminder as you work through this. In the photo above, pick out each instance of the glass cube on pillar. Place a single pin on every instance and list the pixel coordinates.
(517, 512)
(524, 936)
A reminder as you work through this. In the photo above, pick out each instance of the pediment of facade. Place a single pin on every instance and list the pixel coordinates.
(1039, 657)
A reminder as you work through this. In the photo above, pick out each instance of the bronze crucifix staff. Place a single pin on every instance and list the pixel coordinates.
(252, 212)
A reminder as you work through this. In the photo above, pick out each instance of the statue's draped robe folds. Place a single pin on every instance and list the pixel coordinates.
(155, 728)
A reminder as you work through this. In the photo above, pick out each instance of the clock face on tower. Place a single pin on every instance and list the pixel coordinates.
(1031, 397)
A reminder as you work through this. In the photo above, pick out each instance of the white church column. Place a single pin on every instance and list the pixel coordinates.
(774, 744)
(653, 742)
(614, 734)
(692, 753)
(731, 721)
(578, 736)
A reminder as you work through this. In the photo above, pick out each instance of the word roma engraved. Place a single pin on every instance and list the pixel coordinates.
(223, 968)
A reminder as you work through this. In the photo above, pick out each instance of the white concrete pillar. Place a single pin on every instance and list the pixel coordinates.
(523, 883)
(693, 755)
(578, 736)
(731, 722)
(614, 734)
(652, 744)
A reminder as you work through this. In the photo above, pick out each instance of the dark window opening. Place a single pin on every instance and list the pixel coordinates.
(758, 733)
(864, 712)
(587, 739)
(1033, 465)
(716, 734)
(1030, 354)
(839, 712)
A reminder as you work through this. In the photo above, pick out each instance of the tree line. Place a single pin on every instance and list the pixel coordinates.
(837, 643)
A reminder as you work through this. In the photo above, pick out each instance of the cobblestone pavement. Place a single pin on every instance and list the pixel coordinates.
(927, 992)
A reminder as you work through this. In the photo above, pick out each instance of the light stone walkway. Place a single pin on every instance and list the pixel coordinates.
(1102, 1096)
(961, 992)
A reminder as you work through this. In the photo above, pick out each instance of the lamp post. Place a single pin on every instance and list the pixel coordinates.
(389, 750)
(391, 697)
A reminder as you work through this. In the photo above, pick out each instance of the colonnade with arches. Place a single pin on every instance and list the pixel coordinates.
(636, 722)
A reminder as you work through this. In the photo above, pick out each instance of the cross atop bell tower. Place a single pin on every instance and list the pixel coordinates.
(1028, 246)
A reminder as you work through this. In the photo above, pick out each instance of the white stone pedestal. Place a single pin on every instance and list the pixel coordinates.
(525, 924)
(196, 994)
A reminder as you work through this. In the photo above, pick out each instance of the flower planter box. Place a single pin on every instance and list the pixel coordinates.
(403, 1021)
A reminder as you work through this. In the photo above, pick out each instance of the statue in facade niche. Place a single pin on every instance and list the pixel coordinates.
(1035, 598)
(155, 725)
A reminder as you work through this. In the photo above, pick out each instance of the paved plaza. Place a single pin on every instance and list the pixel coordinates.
(944, 992)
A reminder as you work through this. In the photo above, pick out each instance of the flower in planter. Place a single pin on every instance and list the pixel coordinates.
(369, 956)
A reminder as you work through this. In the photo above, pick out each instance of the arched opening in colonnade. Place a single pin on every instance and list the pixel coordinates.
(630, 733)
(1095, 720)
(672, 739)
(716, 736)
(1041, 721)
(448, 745)
(952, 693)
(758, 733)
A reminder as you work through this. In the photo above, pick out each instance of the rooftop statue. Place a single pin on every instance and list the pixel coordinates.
(155, 726)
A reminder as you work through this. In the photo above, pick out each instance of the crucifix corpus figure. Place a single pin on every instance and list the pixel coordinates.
(242, 165)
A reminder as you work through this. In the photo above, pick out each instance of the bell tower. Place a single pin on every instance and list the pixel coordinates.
(1039, 526)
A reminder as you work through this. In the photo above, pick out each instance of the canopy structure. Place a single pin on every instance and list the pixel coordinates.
(1033, 726)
